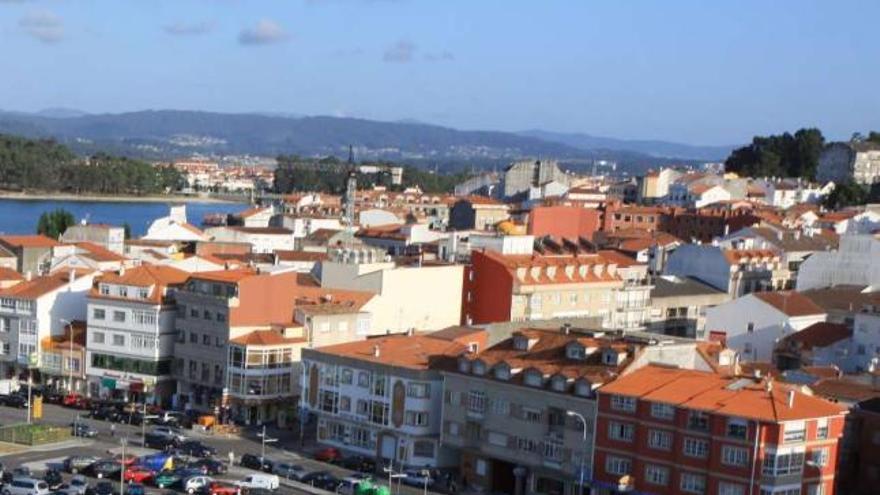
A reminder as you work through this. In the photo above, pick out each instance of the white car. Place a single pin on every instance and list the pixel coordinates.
(417, 477)
(77, 486)
(169, 432)
(26, 486)
(259, 481)
(289, 471)
(196, 483)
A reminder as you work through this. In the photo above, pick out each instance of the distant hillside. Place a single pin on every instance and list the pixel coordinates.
(170, 133)
(659, 149)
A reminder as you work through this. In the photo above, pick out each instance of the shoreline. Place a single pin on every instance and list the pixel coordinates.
(112, 199)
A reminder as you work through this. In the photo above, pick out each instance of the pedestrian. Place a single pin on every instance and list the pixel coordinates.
(231, 458)
(113, 430)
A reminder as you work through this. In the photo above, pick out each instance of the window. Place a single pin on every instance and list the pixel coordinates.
(623, 403)
(660, 440)
(533, 378)
(221, 317)
(105, 290)
(193, 338)
(346, 376)
(620, 431)
(734, 456)
(617, 465)
(362, 407)
(423, 448)
(656, 475)
(119, 316)
(143, 293)
(452, 428)
(693, 483)
(501, 407)
(781, 491)
(206, 339)
(144, 317)
(99, 314)
(795, 431)
(822, 429)
(820, 457)
(497, 439)
(750, 327)
(553, 450)
(662, 411)
(695, 447)
(476, 402)
(698, 420)
(206, 315)
(193, 312)
(363, 379)
(531, 415)
(781, 464)
(123, 291)
(737, 428)
(418, 390)
(5, 348)
(98, 337)
(417, 418)
(727, 488)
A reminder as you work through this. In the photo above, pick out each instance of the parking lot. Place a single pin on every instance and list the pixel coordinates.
(110, 437)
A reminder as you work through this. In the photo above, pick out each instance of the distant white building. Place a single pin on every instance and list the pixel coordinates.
(174, 227)
(856, 161)
(261, 239)
(856, 262)
(107, 236)
(754, 323)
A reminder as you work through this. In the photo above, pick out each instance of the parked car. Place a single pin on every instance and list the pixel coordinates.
(53, 478)
(328, 454)
(169, 432)
(26, 486)
(195, 483)
(321, 479)
(358, 463)
(53, 397)
(166, 479)
(221, 488)
(77, 486)
(417, 477)
(159, 441)
(259, 480)
(83, 430)
(195, 448)
(105, 469)
(102, 488)
(21, 472)
(106, 414)
(289, 471)
(252, 461)
(135, 489)
(14, 400)
(78, 463)
(75, 400)
(209, 466)
(349, 485)
(138, 474)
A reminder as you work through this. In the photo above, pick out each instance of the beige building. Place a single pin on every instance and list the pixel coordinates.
(477, 212)
(418, 296)
(856, 161)
(678, 306)
(654, 186)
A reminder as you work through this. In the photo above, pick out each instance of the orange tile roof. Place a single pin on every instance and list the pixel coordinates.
(791, 303)
(820, 334)
(37, 287)
(735, 256)
(99, 253)
(482, 200)
(300, 256)
(29, 241)
(405, 351)
(728, 396)
(266, 338)
(513, 262)
(10, 274)
(227, 276)
(251, 212)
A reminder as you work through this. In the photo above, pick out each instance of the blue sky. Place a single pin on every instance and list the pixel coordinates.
(703, 72)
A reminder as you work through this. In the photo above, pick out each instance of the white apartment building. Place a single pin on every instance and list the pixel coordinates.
(107, 236)
(131, 333)
(380, 398)
(35, 309)
(261, 239)
(856, 262)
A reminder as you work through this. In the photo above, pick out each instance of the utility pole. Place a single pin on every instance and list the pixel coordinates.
(265, 441)
(583, 421)
(69, 355)
(124, 441)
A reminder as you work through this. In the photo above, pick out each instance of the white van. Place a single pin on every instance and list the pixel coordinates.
(264, 481)
(26, 486)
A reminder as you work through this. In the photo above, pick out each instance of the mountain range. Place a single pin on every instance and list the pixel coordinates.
(163, 134)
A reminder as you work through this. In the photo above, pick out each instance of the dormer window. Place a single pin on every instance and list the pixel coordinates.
(478, 368)
(575, 351)
(502, 372)
(611, 358)
(558, 383)
(464, 366)
(533, 379)
(105, 290)
(583, 388)
(143, 293)
(521, 343)
(123, 291)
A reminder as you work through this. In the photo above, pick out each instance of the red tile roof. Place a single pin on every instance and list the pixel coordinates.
(37, 287)
(405, 351)
(266, 338)
(29, 241)
(821, 334)
(791, 303)
(99, 253)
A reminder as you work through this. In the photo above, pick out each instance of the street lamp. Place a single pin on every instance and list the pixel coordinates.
(265, 441)
(69, 355)
(123, 441)
(583, 421)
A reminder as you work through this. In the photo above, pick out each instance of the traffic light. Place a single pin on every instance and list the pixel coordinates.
(38, 407)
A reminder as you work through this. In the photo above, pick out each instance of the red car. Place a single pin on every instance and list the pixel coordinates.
(75, 400)
(221, 488)
(128, 461)
(137, 474)
(328, 454)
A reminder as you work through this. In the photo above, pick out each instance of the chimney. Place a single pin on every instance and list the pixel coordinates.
(566, 328)
(790, 399)
(29, 275)
(376, 351)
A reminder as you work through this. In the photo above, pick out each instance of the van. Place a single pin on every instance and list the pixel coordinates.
(26, 486)
(264, 481)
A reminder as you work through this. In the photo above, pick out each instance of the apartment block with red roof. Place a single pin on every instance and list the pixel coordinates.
(564, 280)
(665, 430)
(131, 333)
(382, 398)
(240, 333)
(735, 271)
(33, 253)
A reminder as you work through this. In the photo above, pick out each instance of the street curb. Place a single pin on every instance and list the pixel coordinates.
(52, 446)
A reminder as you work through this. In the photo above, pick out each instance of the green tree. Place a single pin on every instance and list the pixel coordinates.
(874, 137)
(126, 228)
(784, 155)
(847, 194)
(54, 223)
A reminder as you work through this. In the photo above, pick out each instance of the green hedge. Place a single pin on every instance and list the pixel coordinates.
(26, 434)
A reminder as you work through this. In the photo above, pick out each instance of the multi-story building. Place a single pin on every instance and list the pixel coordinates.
(856, 262)
(520, 177)
(240, 333)
(522, 412)
(678, 306)
(107, 236)
(735, 271)
(853, 161)
(34, 309)
(33, 253)
(477, 212)
(382, 398)
(665, 430)
(62, 358)
(654, 185)
(131, 333)
(261, 239)
(566, 280)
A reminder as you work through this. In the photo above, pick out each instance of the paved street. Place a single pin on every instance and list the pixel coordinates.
(104, 443)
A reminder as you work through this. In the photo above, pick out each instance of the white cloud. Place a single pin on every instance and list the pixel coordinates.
(401, 52)
(43, 25)
(263, 32)
(188, 29)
